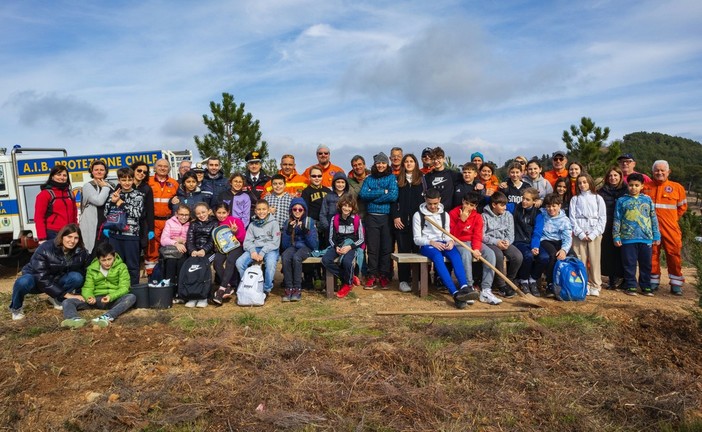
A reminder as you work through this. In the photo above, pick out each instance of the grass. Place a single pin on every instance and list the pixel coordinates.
(584, 322)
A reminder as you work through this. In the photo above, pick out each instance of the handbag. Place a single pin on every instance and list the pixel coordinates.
(116, 220)
(170, 252)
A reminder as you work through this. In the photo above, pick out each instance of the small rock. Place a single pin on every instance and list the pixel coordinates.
(92, 396)
(114, 397)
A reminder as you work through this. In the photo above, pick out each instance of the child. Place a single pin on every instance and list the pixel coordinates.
(199, 243)
(225, 264)
(279, 200)
(237, 198)
(468, 184)
(635, 228)
(175, 234)
(131, 201)
(188, 192)
(261, 244)
(515, 186)
(498, 235)
(314, 196)
(556, 238)
(588, 215)
(574, 170)
(106, 287)
(562, 188)
(436, 245)
(537, 181)
(441, 178)
(299, 239)
(467, 226)
(526, 239)
(329, 205)
(346, 239)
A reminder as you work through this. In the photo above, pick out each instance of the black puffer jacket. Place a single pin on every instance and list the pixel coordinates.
(200, 235)
(49, 264)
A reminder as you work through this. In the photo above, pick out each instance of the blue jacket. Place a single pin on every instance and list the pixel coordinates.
(555, 228)
(635, 220)
(304, 234)
(379, 190)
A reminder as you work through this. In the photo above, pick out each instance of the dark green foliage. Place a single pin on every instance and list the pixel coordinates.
(586, 144)
(683, 155)
(232, 134)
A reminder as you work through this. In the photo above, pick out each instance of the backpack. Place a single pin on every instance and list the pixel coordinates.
(224, 239)
(356, 223)
(50, 207)
(194, 279)
(250, 291)
(570, 279)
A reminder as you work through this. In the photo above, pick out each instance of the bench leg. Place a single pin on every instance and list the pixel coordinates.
(329, 277)
(423, 279)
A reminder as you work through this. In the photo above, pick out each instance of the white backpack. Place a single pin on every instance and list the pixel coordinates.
(250, 291)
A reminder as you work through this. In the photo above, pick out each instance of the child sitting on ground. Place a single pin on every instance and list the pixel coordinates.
(299, 239)
(261, 244)
(106, 287)
(498, 235)
(556, 238)
(346, 239)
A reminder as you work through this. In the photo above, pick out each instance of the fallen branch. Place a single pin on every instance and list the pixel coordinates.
(458, 312)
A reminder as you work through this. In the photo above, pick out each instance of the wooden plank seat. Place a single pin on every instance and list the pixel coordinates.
(419, 266)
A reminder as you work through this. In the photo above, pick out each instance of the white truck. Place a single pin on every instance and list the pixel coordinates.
(24, 170)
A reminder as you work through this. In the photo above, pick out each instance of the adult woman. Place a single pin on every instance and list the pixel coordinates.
(379, 191)
(486, 176)
(141, 183)
(54, 207)
(94, 195)
(57, 268)
(610, 258)
(410, 196)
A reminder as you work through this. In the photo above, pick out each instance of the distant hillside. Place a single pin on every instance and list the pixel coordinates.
(684, 155)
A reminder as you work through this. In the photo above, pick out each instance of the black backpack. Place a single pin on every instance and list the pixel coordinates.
(194, 279)
(50, 207)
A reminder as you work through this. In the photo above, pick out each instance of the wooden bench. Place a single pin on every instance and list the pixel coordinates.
(328, 276)
(419, 266)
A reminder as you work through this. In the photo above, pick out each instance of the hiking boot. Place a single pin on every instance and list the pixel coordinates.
(370, 282)
(631, 291)
(296, 295)
(550, 291)
(73, 323)
(648, 292)
(55, 303)
(486, 296)
(286, 296)
(676, 290)
(466, 293)
(384, 282)
(405, 287)
(102, 321)
(202, 303)
(534, 289)
(218, 296)
(344, 290)
(191, 303)
(506, 292)
(17, 314)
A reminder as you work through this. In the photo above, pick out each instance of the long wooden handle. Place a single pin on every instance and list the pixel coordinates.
(486, 262)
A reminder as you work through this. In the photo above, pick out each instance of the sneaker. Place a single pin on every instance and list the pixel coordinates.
(618, 283)
(17, 314)
(550, 291)
(73, 323)
(486, 296)
(356, 281)
(201, 303)
(296, 295)
(370, 282)
(676, 290)
(648, 292)
(405, 287)
(103, 321)
(286, 296)
(524, 287)
(229, 293)
(218, 296)
(459, 304)
(631, 291)
(384, 282)
(507, 292)
(344, 290)
(595, 292)
(466, 293)
(55, 303)
(191, 303)
(534, 289)
(654, 287)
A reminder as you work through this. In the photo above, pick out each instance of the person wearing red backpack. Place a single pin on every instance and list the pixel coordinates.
(54, 207)
(346, 235)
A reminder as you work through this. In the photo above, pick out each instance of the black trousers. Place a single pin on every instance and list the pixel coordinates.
(378, 245)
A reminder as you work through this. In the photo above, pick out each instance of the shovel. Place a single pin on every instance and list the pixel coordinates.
(525, 298)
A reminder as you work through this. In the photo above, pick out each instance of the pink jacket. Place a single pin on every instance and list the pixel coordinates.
(173, 230)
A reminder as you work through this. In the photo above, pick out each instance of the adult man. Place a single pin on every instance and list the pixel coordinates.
(294, 182)
(184, 167)
(627, 163)
(323, 162)
(355, 179)
(396, 160)
(214, 181)
(255, 177)
(560, 161)
(670, 201)
(164, 188)
(427, 160)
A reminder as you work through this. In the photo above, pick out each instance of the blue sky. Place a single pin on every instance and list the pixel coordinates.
(500, 77)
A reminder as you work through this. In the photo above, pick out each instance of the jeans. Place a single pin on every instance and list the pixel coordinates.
(514, 261)
(292, 266)
(488, 273)
(116, 308)
(437, 257)
(547, 256)
(270, 260)
(27, 284)
(344, 269)
(631, 254)
(531, 266)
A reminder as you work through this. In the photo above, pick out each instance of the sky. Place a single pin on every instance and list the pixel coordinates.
(504, 78)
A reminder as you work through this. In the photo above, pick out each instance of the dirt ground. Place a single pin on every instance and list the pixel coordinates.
(610, 363)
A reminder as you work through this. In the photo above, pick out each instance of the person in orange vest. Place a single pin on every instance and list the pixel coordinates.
(559, 161)
(670, 201)
(324, 163)
(294, 183)
(164, 188)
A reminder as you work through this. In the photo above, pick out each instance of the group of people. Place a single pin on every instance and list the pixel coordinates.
(354, 221)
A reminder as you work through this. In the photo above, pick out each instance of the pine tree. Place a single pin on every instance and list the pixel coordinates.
(232, 134)
(586, 144)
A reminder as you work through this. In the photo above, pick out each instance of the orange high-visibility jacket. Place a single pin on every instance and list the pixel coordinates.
(670, 201)
(163, 192)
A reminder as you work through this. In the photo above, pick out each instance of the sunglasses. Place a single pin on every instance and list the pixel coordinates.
(297, 209)
(322, 153)
(140, 171)
(315, 176)
(559, 158)
(521, 162)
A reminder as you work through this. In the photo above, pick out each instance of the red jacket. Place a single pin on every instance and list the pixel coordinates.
(469, 231)
(64, 211)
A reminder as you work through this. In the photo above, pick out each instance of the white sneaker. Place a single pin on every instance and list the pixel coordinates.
(405, 287)
(486, 296)
(201, 303)
(17, 314)
(53, 302)
(595, 292)
(191, 303)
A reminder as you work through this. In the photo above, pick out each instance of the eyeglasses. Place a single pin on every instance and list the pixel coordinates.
(140, 171)
(315, 176)
(322, 153)
(297, 209)
(559, 158)
(183, 214)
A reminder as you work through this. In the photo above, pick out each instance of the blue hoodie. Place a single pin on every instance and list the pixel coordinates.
(302, 234)
(554, 228)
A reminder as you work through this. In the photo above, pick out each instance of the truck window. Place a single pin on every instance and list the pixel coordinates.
(3, 184)
(30, 197)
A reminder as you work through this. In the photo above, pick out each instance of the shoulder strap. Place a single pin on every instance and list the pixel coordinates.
(356, 222)
(50, 206)
(335, 222)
